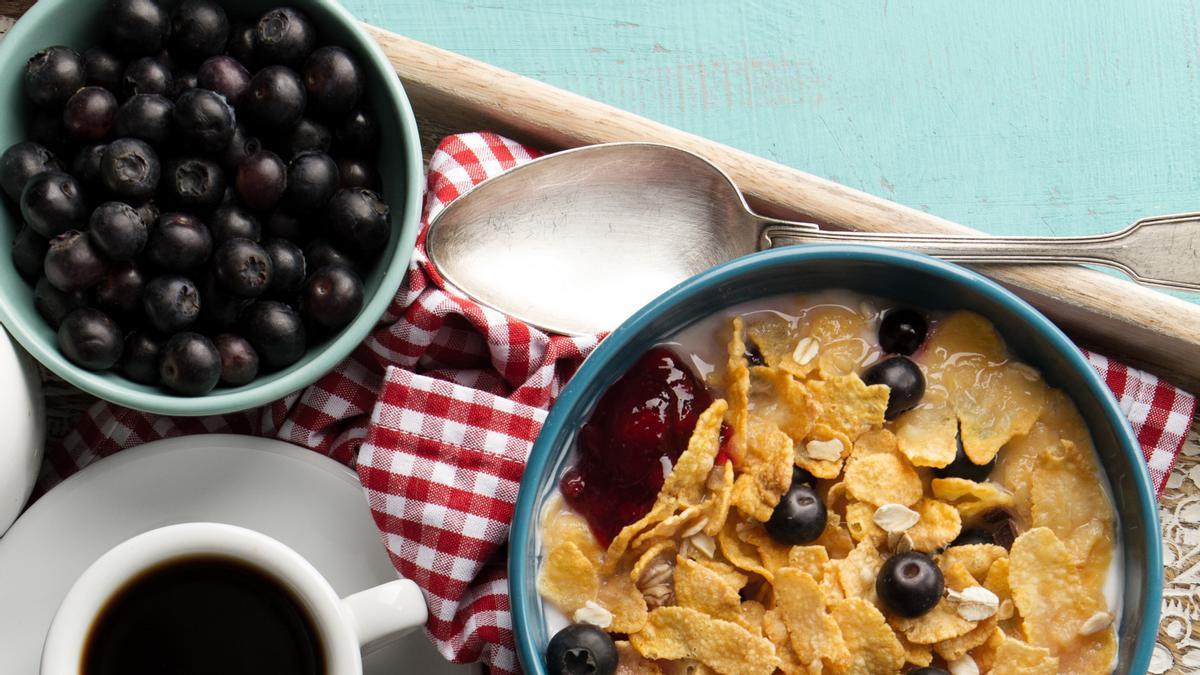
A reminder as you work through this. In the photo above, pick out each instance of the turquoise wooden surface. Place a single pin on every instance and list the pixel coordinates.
(1015, 117)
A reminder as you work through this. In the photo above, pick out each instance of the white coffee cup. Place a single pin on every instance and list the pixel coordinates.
(344, 626)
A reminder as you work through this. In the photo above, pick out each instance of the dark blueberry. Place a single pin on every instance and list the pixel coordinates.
(182, 81)
(193, 183)
(137, 26)
(801, 476)
(233, 222)
(241, 43)
(171, 303)
(581, 649)
(54, 305)
(199, 29)
(332, 297)
(90, 339)
(239, 361)
(963, 467)
(89, 114)
(140, 362)
(28, 252)
(53, 75)
(130, 168)
(308, 135)
(312, 179)
(148, 212)
(219, 311)
(204, 119)
(973, 535)
(356, 173)
(117, 230)
(46, 128)
(280, 223)
(146, 75)
(800, 516)
(72, 263)
(85, 166)
(53, 203)
(275, 98)
(357, 135)
(928, 670)
(320, 253)
(242, 268)
(754, 356)
(22, 161)
(358, 220)
(102, 68)
(179, 242)
(189, 364)
(224, 75)
(903, 378)
(909, 584)
(261, 180)
(287, 267)
(902, 331)
(120, 291)
(284, 35)
(241, 145)
(276, 331)
(146, 116)
(333, 81)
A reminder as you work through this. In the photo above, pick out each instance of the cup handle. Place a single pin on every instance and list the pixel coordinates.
(381, 614)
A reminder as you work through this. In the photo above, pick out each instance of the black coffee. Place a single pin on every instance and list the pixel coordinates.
(203, 615)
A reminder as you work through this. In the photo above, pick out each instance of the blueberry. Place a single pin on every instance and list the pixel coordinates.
(308, 135)
(28, 253)
(261, 180)
(130, 168)
(287, 266)
(46, 128)
(800, 516)
(356, 173)
(358, 134)
(205, 119)
(239, 361)
(224, 75)
(242, 268)
(199, 29)
(801, 476)
(219, 310)
(85, 167)
(137, 26)
(179, 242)
(275, 98)
(231, 221)
(72, 263)
(581, 649)
(53, 203)
(241, 145)
(53, 75)
(333, 82)
(963, 467)
(22, 161)
(312, 179)
(90, 339)
(54, 305)
(973, 535)
(909, 584)
(320, 253)
(284, 35)
(194, 184)
(183, 81)
(147, 75)
(275, 331)
(146, 116)
(140, 360)
(120, 291)
(117, 230)
(171, 303)
(90, 114)
(241, 43)
(358, 220)
(280, 223)
(332, 297)
(102, 68)
(189, 364)
(905, 380)
(902, 331)
(148, 212)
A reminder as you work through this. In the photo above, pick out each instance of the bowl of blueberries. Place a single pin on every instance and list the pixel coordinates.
(209, 204)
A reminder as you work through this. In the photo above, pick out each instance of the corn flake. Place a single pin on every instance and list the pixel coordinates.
(928, 434)
(621, 597)
(970, 498)
(814, 634)
(861, 524)
(562, 525)
(848, 405)
(724, 646)
(719, 499)
(767, 470)
(857, 571)
(776, 339)
(705, 591)
(740, 554)
(629, 662)
(939, 525)
(737, 389)
(778, 398)
(773, 554)
(568, 578)
(977, 559)
(873, 646)
(809, 559)
(823, 468)
(662, 550)
(956, 648)
(1014, 657)
(883, 478)
(687, 479)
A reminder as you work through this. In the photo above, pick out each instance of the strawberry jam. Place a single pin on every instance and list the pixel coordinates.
(647, 415)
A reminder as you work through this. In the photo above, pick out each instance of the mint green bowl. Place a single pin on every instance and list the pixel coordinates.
(76, 23)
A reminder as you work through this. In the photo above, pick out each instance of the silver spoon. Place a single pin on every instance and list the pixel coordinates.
(575, 242)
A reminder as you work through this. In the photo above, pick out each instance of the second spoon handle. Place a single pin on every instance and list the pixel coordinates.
(1162, 251)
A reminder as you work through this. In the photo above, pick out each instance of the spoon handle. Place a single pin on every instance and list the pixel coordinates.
(1160, 251)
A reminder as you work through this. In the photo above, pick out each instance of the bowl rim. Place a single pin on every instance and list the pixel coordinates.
(332, 352)
(525, 515)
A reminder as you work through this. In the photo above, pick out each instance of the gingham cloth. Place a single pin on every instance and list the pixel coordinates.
(437, 410)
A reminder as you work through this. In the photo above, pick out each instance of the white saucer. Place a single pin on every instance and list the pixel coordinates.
(303, 499)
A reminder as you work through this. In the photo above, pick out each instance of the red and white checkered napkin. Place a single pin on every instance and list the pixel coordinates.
(438, 408)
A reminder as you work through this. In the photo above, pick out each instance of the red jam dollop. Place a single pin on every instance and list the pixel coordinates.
(646, 415)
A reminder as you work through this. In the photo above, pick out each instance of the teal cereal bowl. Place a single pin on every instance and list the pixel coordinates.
(908, 279)
(77, 23)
